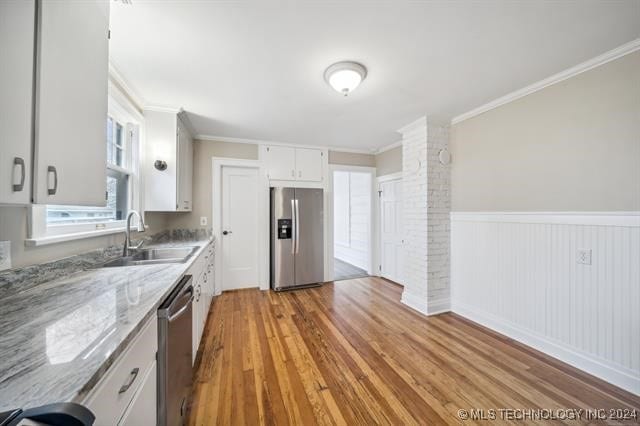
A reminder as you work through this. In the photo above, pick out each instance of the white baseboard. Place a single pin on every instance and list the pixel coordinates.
(414, 302)
(613, 374)
(439, 306)
(423, 305)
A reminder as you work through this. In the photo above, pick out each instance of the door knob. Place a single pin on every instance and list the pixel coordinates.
(226, 232)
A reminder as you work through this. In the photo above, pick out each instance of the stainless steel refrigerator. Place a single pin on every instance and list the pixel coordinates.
(297, 239)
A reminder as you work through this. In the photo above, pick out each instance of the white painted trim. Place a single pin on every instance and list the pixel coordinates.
(419, 124)
(388, 147)
(414, 302)
(606, 57)
(616, 375)
(439, 306)
(390, 176)
(626, 219)
(116, 76)
(373, 251)
(261, 142)
(263, 238)
(160, 108)
(43, 241)
(349, 150)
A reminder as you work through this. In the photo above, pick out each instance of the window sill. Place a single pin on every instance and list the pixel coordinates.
(53, 239)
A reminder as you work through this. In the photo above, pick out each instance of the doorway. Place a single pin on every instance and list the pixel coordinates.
(352, 224)
(391, 228)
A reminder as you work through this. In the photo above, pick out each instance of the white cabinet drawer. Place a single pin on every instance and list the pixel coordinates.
(143, 409)
(110, 398)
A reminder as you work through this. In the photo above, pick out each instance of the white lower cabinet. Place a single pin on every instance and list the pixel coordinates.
(110, 399)
(142, 410)
(203, 290)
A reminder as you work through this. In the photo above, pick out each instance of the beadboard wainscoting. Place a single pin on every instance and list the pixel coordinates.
(519, 274)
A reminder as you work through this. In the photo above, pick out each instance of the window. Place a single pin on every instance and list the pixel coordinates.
(52, 223)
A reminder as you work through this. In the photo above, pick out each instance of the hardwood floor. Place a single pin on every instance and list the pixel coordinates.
(350, 353)
(345, 271)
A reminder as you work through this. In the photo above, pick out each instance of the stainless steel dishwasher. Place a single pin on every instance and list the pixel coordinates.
(174, 354)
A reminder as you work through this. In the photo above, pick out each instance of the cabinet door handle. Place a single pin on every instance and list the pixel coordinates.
(52, 191)
(132, 378)
(293, 173)
(300, 173)
(17, 161)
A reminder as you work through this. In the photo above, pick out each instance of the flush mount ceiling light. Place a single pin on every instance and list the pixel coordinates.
(345, 76)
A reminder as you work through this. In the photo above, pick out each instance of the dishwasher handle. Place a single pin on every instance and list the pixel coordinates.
(182, 309)
(179, 299)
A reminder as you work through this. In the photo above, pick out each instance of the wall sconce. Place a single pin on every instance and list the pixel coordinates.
(160, 165)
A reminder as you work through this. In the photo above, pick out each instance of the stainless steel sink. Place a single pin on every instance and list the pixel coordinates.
(150, 256)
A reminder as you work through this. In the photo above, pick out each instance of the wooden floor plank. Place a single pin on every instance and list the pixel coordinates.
(350, 353)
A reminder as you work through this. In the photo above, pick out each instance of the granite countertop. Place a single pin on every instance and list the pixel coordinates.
(59, 337)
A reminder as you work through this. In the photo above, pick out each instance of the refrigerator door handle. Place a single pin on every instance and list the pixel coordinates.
(297, 227)
(294, 225)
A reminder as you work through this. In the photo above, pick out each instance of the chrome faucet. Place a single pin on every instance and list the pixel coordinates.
(127, 233)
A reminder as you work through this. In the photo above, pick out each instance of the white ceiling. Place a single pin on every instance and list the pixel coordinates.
(254, 69)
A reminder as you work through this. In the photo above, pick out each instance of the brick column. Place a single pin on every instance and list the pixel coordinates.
(426, 200)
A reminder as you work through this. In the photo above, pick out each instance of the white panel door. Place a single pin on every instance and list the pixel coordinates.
(391, 250)
(71, 103)
(281, 163)
(309, 165)
(17, 32)
(239, 227)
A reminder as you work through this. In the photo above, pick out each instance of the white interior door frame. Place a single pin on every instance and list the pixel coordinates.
(373, 255)
(263, 218)
(378, 223)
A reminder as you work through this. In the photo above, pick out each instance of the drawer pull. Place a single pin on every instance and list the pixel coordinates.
(52, 191)
(17, 161)
(132, 378)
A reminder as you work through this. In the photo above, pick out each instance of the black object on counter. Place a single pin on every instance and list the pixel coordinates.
(58, 414)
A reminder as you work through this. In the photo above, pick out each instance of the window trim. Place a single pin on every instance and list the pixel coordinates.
(123, 110)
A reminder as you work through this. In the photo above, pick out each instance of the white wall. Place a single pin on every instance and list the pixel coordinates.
(352, 217)
(518, 274)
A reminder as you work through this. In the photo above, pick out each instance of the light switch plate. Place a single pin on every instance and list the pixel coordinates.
(5, 255)
(203, 221)
(584, 256)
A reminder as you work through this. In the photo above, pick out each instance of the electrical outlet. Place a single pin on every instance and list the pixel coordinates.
(5, 255)
(584, 256)
(203, 221)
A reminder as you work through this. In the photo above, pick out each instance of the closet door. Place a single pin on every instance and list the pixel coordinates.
(71, 102)
(17, 34)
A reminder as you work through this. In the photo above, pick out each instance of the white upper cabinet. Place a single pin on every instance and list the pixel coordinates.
(185, 168)
(17, 33)
(168, 163)
(281, 163)
(294, 164)
(71, 102)
(309, 164)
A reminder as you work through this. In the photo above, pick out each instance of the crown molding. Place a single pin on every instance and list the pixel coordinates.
(116, 76)
(351, 150)
(159, 108)
(227, 139)
(609, 56)
(388, 147)
(414, 125)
